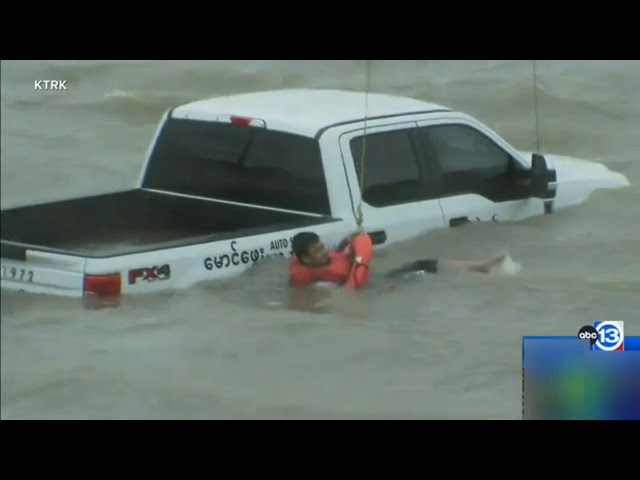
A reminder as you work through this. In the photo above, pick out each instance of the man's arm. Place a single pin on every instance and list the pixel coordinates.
(482, 266)
(344, 243)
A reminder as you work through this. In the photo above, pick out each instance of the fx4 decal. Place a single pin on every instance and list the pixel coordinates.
(149, 274)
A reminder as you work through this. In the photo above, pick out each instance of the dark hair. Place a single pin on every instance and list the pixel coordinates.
(301, 243)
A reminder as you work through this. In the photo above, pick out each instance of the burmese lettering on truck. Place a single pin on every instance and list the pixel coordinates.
(236, 257)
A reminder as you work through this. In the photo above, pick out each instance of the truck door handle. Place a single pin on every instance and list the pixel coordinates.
(455, 222)
(378, 237)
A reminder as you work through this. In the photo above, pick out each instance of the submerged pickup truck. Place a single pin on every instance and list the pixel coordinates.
(228, 181)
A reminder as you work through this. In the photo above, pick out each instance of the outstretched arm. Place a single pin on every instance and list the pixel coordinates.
(419, 267)
(482, 266)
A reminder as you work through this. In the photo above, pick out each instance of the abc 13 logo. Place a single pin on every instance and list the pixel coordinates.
(606, 336)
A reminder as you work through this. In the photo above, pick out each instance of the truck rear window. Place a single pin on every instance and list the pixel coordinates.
(239, 163)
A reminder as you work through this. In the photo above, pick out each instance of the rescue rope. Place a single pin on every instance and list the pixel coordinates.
(359, 215)
(535, 105)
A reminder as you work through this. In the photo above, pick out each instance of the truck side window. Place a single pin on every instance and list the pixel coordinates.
(391, 173)
(238, 163)
(469, 162)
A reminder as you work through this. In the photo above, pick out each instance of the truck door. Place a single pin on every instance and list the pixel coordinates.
(398, 199)
(481, 180)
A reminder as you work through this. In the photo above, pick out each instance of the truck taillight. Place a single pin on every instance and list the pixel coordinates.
(103, 285)
(245, 121)
(242, 121)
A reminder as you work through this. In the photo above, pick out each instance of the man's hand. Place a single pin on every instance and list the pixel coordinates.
(346, 241)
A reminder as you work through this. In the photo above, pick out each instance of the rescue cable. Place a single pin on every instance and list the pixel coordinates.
(535, 105)
(359, 216)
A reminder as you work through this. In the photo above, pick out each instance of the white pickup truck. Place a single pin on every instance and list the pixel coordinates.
(228, 181)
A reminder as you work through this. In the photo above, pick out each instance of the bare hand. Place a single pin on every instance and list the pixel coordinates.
(346, 241)
(351, 236)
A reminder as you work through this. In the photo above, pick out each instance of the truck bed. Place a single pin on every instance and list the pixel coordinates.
(134, 221)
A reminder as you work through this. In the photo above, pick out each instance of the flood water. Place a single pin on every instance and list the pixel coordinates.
(444, 347)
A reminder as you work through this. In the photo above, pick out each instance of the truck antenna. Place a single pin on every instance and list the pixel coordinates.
(359, 215)
(535, 105)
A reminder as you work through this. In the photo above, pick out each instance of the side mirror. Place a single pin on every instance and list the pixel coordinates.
(541, 177)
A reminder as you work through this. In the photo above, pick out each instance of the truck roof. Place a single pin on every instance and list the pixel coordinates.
(305, 111)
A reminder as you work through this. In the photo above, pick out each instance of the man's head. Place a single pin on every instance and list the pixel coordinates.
(309, 249)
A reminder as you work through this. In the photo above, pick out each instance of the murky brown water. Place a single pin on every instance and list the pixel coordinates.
(445, 347)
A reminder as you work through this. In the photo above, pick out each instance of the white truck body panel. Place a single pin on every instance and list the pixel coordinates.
(45, 272)
(578, 179)
(303, 111)
(334, 118)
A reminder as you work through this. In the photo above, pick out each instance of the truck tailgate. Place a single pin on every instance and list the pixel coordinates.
(41, 272)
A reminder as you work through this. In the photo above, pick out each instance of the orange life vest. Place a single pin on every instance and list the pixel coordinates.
(336, 271)
(349, 268)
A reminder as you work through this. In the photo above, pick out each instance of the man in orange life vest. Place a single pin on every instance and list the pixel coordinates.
(312, 262)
